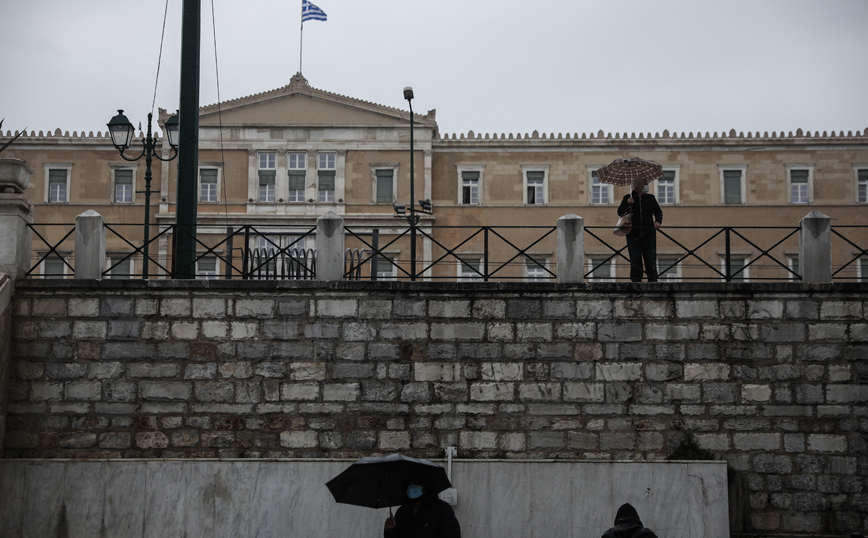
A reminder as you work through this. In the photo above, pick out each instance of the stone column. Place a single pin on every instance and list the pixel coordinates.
(89, 245)
(571, 249)
(815, 247)
(330, 247)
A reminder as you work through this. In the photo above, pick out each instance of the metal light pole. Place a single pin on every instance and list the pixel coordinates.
(412, 219)
(425, 205)
(122, 132)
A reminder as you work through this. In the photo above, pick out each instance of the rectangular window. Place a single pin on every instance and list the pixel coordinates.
(469, 187)
(862, 185)
(206, 268)
(53, 267)
(469, 269)
(534, 181)
(385, 268)
(267, 175)
(799, 186)
(601, 193)
(793, 264)
(602, 269)
(733, 193)
(668, 269)
(535, 269)
(297, 175)
(123, 185)
(58, 182)
(666, 188)
(738, 269)
(208, 185)
(326, 177)
(385, 182)
(120, 267)
(863, 269)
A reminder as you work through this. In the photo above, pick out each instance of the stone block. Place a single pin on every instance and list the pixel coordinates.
(352, 371)
(682, 393)
(294, 439)
(765, 309)
(706, 372)
(451, 309)
(617, 441)
(827, 443)
(80, 307)
(841, 310)
(630, 371)
(175, 308)
(492, 392)
(394, 441)
(83, 390)
(165, 390)
(533, 332)
(254, 308)
(696, 309)
(756, 393)
(404, 331)
(409, 308)
(594, 309)
(437, 372)
(340, 392)
(116, 307)
(152, 370)
(477, 440)
(584, 392)
(546, 440)
(663, 372)
(466, 331)
(672, 332)
(770, 463)
(619, 331)
(846, 394)
(502, 371)
(561, 371)
(536, 392)
(757, 441)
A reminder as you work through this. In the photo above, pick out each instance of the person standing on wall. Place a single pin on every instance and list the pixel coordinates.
(642, 239)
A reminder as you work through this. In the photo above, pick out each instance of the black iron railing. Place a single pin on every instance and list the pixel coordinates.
(463, 253)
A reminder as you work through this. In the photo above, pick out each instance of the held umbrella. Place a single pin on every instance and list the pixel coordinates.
(378, 482)
(624, 171)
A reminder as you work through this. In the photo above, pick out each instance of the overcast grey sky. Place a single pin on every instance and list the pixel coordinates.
(491, 66)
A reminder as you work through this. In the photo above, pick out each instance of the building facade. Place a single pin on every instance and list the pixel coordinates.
(272, 163)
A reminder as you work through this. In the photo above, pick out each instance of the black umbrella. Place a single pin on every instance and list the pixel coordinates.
(379, 482)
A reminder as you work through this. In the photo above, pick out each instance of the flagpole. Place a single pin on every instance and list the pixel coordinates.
(300, 45)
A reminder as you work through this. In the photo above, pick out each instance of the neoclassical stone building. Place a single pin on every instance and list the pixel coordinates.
(280, 159)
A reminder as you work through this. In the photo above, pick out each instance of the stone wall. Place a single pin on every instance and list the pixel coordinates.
(771, 378)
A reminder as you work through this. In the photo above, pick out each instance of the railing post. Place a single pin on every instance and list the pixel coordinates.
(571, 249)
(375, 255)
(815, 247)
(15, 237)
(330, 247)
(89, 245)
(727, 257)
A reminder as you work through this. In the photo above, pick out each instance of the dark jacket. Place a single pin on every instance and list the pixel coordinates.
(646, 210)
(433, 519)
(627, 524)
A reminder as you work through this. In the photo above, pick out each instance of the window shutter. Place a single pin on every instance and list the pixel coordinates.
(56, 176)
(326, 180)
(384, 186)
(799, 176)
(536, 176)
(266, 177)
(469, 175)
(124, 177)
(732, 186)
(208, 175)
(296, 181)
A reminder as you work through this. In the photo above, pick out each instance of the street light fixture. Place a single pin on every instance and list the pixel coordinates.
(122, 133)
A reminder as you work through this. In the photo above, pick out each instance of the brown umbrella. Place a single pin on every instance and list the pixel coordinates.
(625, 171)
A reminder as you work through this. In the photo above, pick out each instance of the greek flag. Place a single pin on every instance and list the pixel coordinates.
(310, 12)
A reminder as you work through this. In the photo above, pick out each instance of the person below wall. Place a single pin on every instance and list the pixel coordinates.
(628, 525)
(422, 515)
(642, 239)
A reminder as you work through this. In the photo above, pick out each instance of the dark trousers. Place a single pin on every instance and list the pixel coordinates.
(643, 250)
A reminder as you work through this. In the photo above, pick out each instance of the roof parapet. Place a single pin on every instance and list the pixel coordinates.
(666, 135)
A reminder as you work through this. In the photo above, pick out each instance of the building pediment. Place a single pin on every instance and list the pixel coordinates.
(300, 105)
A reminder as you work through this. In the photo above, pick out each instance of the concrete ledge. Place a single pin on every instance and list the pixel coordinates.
(271, 498)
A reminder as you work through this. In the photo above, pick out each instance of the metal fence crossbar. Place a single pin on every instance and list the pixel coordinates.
(523, 251)
(765, 253)
(52, 249)
(860, 251)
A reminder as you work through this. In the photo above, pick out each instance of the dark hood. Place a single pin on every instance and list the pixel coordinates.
(627, 514)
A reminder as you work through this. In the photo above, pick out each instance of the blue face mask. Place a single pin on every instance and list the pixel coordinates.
(414, 491)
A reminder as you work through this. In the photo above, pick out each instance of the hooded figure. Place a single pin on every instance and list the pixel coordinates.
(423, 515)
(628, 525)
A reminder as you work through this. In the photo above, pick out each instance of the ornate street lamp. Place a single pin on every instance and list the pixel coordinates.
(425, 205)
(122, 133)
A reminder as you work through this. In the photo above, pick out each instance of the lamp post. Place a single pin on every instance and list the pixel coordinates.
(425, 205)
(122, 132)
